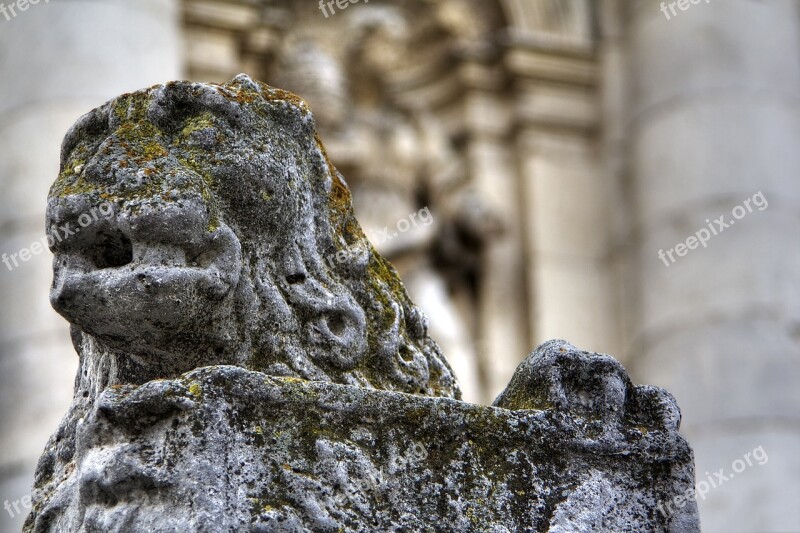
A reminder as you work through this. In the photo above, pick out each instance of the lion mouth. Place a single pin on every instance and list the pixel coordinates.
(153, 272)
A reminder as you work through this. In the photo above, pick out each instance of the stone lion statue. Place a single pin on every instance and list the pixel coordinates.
(242, 346)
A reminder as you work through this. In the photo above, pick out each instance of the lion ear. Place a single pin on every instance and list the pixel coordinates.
(283, 107)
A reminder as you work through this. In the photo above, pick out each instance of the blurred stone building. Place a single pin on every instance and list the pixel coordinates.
(522, 162)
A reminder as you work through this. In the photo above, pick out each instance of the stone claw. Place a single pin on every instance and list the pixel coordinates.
(558, 376)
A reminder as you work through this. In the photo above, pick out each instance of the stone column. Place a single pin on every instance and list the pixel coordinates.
(59, 60)
(714, 121)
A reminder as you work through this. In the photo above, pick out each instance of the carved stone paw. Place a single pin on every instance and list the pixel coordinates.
(559, 377)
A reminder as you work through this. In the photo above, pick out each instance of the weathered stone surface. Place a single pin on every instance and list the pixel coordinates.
(249, 362)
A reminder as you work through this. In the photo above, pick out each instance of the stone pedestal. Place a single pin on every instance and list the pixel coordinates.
(225, 449)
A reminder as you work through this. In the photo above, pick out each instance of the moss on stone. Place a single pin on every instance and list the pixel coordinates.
(196, 389)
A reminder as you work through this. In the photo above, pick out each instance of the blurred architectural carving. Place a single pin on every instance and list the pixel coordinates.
(433, 78)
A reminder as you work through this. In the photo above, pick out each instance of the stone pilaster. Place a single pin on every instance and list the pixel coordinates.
(567, 200)
(503, 306)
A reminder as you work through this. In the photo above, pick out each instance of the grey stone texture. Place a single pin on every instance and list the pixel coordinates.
(248, 362)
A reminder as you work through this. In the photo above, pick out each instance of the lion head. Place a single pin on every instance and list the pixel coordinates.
(228, 237)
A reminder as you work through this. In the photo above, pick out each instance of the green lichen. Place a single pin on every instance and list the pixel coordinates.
(201, 168)
(196, 389)
(200, 122)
